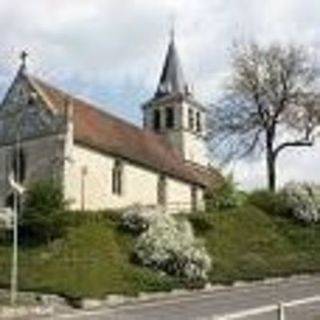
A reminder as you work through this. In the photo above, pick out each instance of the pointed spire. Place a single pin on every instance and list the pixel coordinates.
(172, 79)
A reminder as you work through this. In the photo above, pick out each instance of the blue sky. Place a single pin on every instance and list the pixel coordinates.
(111, 52)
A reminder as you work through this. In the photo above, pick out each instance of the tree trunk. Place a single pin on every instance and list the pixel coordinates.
(271, 171)
(271, 162)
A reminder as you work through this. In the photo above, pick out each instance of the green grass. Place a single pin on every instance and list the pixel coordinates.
(94, 258)
(248, 244)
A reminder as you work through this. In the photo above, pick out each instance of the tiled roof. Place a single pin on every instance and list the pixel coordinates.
(109, 134)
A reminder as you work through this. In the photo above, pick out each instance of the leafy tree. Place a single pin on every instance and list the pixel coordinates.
(271, 103)
(44, 216)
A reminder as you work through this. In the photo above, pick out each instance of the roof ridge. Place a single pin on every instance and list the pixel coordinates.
(97, 108)
(90, 104)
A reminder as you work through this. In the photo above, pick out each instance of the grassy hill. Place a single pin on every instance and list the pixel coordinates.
(94, 258)
(247, 244)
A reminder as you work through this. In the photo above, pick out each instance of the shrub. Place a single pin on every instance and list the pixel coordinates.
(202, 222)
(137, 218)
(303, 199)
(44, 216)
(226, 196)
(170, 246)
(269, 202)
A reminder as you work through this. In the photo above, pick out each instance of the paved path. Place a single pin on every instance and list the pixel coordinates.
(206, 306)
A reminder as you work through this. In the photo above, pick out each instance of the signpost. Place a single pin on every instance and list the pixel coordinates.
(18, 189)
(6, 216)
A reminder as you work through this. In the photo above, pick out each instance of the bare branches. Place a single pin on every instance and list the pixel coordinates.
(271, 90)
(296, 143)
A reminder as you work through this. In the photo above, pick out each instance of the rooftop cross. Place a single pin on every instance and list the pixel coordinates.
(173, 27)
(23, 57)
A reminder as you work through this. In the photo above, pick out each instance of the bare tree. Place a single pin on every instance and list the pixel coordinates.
(269, 105)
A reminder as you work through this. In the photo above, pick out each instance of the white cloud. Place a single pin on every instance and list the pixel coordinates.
(112, 51)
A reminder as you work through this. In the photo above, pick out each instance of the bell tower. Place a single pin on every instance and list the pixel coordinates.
(175, 113)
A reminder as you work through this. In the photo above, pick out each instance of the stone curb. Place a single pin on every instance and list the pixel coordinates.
(23, 311)
(113, 301)
(51, 302)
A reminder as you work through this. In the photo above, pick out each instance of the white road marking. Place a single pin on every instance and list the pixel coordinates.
(265, 309)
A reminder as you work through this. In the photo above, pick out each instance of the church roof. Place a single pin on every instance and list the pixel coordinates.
(106, 133)
(172, 79)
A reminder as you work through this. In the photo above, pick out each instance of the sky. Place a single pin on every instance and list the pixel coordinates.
(111, 52)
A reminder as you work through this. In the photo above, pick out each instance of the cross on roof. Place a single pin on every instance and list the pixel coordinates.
(23, 57)
(173, 27)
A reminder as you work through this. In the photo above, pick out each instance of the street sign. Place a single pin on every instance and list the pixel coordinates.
(6, 218)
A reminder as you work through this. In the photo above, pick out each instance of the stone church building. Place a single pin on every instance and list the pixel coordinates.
(102, 160)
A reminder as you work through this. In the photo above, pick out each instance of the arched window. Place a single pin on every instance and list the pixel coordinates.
(117, 177)
(19, 165)
(191, 118)
(156, 120)
(162, 190)
(169, 118)
(198, 122)
(194, 198)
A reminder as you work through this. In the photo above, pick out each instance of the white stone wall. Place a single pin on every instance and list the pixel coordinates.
(88, 177)
(195, 149)
(178, 196)
(91, 187)
(44, 159)
(88, 184)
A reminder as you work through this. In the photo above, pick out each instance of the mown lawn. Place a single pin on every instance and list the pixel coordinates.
(94, 258)
(248, 244)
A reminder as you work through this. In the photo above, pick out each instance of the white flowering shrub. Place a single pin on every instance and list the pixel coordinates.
(303, 199)
(137, 218)
(170, 245)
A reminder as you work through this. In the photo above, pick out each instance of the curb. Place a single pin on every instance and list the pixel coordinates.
(114, 301)
(19, 312)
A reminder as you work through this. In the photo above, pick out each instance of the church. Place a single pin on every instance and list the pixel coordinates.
(103, 161)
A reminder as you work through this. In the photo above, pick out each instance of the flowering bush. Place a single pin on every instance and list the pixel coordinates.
(169, 245)
(137, 219)
(303, 199)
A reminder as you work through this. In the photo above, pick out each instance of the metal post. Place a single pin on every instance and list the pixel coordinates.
(14, 267)
(281, 313)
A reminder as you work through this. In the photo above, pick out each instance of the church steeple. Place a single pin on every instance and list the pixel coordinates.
(174, 113)
(172, 78)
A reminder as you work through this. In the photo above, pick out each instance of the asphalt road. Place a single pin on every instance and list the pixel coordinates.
(209, 305)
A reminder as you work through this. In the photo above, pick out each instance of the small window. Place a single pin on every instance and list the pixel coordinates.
(117, 178)
(169, 118)
(156, 120)
(191, 118)
(198, 122)
(19, 165)
(194, 198)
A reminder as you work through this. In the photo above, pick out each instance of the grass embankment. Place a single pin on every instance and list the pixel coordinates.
(94, 258)
(248, 244)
